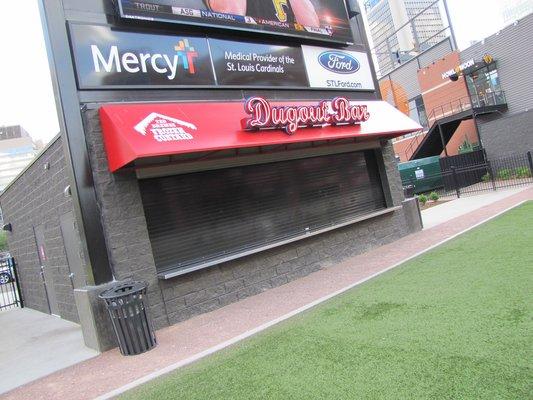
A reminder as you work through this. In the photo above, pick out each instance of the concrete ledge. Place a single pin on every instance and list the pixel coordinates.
(95, 322)
(174, 273)
(413, 215)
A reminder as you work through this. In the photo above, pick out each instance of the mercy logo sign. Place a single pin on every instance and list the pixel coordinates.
(114, 60)
(108, 58)
(164, 128)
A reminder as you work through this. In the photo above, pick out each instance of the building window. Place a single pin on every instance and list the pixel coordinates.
(417, 111)
(484, 86)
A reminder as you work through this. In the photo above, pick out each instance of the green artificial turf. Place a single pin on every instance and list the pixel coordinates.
(455, 323)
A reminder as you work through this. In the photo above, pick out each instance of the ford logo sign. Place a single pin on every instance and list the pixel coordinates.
(338, 62)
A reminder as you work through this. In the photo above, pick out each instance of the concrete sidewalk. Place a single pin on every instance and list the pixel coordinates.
(35, 345)
(110, 373)
(464, 205)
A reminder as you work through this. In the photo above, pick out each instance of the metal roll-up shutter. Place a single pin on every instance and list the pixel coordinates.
(198, 218)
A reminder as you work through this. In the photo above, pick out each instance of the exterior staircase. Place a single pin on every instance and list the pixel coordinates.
(444, 120)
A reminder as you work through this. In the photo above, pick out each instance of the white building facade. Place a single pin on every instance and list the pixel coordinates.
(402, 29)
(17, 149)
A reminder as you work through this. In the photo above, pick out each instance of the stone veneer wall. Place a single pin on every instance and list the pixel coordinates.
(37, 197)
(181, 298)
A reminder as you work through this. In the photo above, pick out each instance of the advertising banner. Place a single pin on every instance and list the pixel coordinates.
(107, 58)
(257, 65)
(112, 59)
(337, 69)
(316, 19)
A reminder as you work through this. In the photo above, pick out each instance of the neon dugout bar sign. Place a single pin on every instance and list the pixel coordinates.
(338, 111)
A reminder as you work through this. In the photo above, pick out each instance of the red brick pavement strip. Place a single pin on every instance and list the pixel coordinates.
(111, 371)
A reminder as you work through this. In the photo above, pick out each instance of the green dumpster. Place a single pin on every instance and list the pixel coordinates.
(424, 174)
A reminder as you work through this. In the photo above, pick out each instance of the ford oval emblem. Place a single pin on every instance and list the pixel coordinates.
(339, 62)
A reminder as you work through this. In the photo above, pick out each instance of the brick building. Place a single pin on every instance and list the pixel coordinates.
(492, 82)
(437, 93)
(171, 173)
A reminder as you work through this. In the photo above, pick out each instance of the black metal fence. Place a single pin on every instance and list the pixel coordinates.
(463, 161)
(466, 177)
(10, 295)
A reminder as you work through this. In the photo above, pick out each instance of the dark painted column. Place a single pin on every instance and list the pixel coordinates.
(98, 269)
(442, 140)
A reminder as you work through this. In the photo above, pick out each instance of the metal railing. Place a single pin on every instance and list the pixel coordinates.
(493, 98)
(490, 175)
(449, 108)
(455, 107)
(10, 296)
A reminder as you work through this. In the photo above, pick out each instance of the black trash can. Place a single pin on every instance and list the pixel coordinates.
(127, 305)
(409, 191)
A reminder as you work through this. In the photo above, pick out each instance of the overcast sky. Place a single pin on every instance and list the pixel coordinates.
(26, 96)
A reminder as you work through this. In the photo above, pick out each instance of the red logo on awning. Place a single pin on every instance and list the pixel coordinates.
(338, 111)
(164, 128)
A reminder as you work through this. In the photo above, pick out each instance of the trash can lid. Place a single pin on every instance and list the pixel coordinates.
(123, 289)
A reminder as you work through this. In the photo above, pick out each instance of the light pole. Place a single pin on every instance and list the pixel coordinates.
(450, 24)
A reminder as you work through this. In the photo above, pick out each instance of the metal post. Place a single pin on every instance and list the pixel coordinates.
(442, 140)
(456, 186)
(17, 281)
(492, 178)
(484, 152)
(530, 160)
(393, 93)
(452, 31)
(480, 143)
(415, 36)
(389, 51)
(468, 91)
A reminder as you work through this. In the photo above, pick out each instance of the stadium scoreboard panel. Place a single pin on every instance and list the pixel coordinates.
(282, 17)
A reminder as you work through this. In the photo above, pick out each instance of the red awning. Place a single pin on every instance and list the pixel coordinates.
(135, 131)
